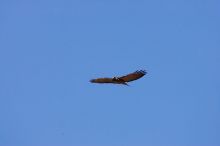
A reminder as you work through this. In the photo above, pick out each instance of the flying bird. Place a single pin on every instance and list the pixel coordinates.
(121, 80)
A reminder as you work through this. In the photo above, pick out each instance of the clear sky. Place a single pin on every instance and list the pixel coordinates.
(50, 49)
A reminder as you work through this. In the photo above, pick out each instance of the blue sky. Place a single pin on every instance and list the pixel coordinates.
(50, 49)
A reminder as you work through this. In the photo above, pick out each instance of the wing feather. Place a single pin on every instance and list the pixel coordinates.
(101, 80)
(133, 76)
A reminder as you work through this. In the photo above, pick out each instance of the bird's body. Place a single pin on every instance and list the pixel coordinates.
(121, 80)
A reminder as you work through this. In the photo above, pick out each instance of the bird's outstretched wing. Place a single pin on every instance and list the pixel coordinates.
(102, 80)
(133, 76)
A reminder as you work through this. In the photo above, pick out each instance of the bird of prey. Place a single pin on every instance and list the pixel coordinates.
(122, 79)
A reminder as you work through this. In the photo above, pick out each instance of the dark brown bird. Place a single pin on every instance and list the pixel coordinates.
(121, 80)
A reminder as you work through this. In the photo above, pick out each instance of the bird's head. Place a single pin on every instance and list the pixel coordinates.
(115, 79)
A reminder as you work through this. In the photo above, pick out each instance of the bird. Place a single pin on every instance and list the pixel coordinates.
(121, 79)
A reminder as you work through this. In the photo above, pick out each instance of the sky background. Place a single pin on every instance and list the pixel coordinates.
(50, 49)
